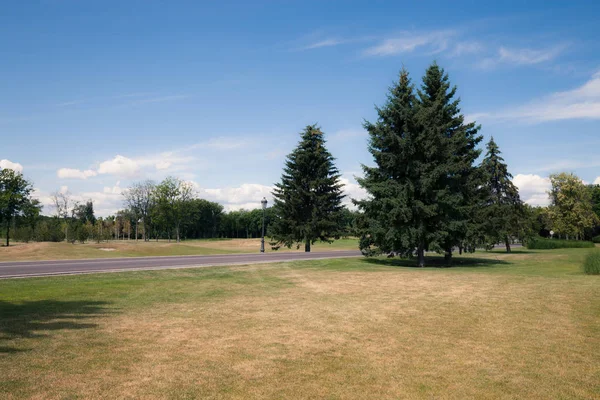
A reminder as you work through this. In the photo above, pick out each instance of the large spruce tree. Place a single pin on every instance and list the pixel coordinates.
(308, 200)
(450, 175)
(394, 218)
(502, 211)
(422, 187)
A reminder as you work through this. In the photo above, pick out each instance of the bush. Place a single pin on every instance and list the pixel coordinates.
(596, 239)
(547, 244)
(591, 265)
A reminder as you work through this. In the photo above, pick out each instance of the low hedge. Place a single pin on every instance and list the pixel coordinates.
(596, 239)
(591, 265)
(547, 244)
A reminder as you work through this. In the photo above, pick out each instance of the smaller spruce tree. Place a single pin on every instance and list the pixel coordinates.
(502, 212)
(308, 200)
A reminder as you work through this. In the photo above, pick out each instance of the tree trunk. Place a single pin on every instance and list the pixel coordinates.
(177, 231)
(448, 257)
(421, 255)
(460, 250)
(507, 242)
(307, 246)
(7, 234)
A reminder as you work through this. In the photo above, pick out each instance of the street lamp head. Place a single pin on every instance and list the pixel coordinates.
(264, 203)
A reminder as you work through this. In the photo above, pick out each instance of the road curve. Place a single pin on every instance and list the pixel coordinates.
(25, 269)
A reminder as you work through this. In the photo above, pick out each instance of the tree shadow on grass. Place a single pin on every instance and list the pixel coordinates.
(438, 262)
(32, 319)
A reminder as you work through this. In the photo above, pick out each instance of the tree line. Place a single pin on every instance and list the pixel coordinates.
(168, 210)
(430, 187)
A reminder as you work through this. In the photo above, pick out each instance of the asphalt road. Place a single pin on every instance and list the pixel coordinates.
(24, 269)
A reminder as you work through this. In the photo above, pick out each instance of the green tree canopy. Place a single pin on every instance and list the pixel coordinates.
(308, 200)
(15, 198)
(424, 177)
(571, 210)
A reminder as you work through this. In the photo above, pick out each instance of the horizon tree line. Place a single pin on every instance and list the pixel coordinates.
(426, 192)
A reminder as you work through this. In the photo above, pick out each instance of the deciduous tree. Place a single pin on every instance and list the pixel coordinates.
(15, 197)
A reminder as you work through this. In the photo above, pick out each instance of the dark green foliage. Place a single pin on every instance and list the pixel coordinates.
(596, 239)
(591, 265)
(15, 200)
(423, 186)
(84, 212)
(595, 195)
(502, 214)
(548, 244)
(308, 200)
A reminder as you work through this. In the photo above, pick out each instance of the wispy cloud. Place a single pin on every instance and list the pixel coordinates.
(582, 102)
(466, 48)
(521, 56)
(323, 43)
(406, 42)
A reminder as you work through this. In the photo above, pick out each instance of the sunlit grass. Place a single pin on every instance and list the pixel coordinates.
(521, 325)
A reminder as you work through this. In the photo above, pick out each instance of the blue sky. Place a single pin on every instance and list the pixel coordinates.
(96, 95)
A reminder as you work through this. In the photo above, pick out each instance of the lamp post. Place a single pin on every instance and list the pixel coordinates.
(263, 202)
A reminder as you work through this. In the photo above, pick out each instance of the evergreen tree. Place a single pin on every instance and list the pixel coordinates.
(449, 178)
(502, 213)
(308, 200)
(394, 215)
(422, 187)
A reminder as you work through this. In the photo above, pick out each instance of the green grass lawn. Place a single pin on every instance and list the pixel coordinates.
(131, 248)
(495, 326)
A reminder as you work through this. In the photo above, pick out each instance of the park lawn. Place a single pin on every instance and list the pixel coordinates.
(131, 248)
(496, 326)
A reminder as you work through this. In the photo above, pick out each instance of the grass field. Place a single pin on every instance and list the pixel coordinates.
(497, 326)
(131, 248)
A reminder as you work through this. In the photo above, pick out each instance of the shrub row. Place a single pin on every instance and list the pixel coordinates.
(596, 239)
(546, 244)
(591, 265)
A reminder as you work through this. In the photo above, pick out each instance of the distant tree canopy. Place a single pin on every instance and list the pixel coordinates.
(15, 199)
(571, 210)
(308, 199)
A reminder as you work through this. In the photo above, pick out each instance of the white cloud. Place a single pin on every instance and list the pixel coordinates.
(597, 181)
(119, 166)
(163, 165)
(323, 43)
(7, 164)
(466, 47)
(406, 42)
(528, 56)
(582, 102)
(533, 189)
(247, 195)
(523, 56)
(71, 173)
(113, 190)
(352, 190)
